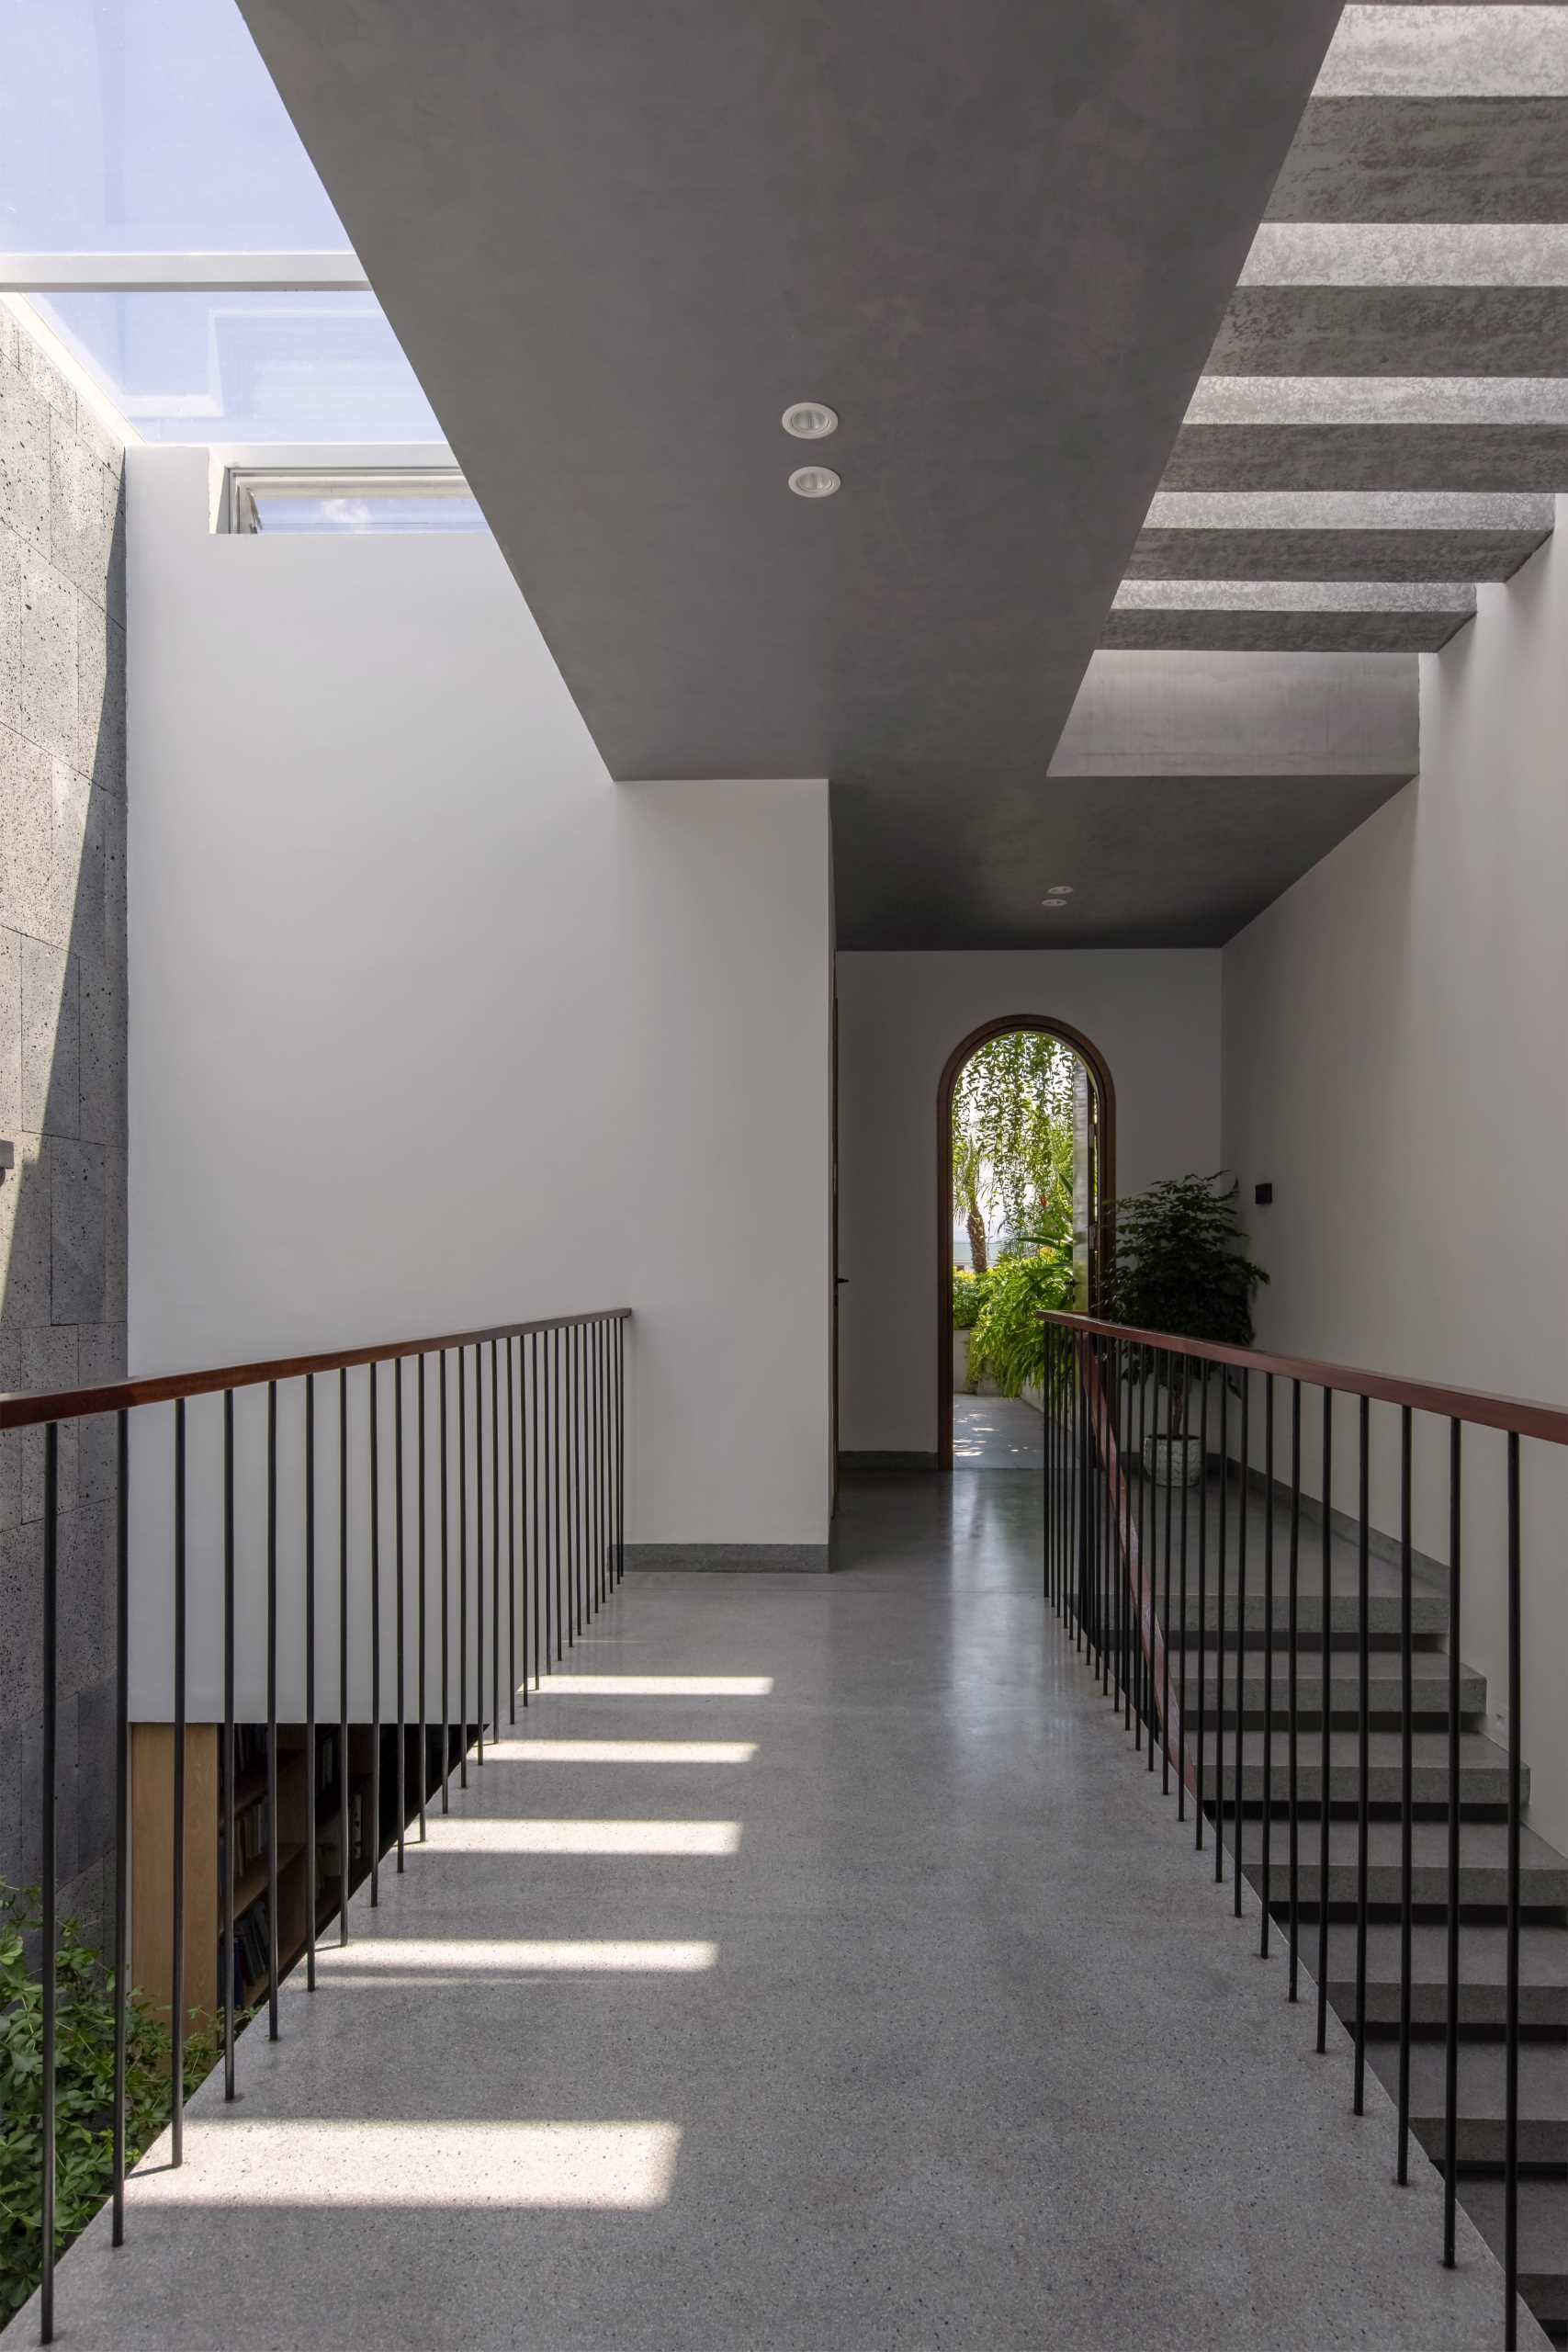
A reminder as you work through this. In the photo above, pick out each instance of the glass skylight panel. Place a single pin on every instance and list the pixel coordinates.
(148, 126)
(357, 500)
(246, 366)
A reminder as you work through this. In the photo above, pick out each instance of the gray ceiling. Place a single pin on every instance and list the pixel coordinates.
(999, 238)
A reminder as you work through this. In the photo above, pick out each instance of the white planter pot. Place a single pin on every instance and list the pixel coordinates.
(1174, 1461)
(963, 1384)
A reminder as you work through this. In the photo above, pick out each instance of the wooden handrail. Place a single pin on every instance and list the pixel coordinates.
(1523, 1415)
(163, 1388)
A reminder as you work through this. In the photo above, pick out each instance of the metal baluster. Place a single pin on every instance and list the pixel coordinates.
(1081, 1492)
(1181, 1692)
(1145, 1562)
(343, 1654)
(177, 1939)
(50, 1867)
(1291, 1635)
(495, 1536)
(1363, 1736)
(512, 1507)
(1203, 1598)
(557, 1513)
(1267, 1824)
(479, 1551)
(375, 1648)
(620, 1449)
(1125, 1586)
(462, 1573)
(574, 1439)
(398, 1558)
(122, 1811)
(420, 1560)
(1219, 1630)
(1515, 1802)
(230, 1987)
(541, 1590)
(273, 1947)
(1326, 1652)
(445, 1603)
(311, 1760)
(1162, 1377)
(1407, 1782)
(1239, 1764)
(1450, 2055)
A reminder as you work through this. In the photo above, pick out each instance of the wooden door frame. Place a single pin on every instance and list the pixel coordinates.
(1099, 1071)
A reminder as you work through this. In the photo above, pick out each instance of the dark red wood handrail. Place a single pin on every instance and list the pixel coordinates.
(1523, 1415)
(163, 1388)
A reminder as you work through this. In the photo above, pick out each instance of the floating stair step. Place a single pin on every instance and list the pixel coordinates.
(1481, 2103)
(1269, 455)
(1400, 330)
(1429, 1616)
(1338, 535)
(1427, 157)
(1483, 1975)
(1429, 1685)
(1482, 1863)
(1544, 2238)
(1483, 1768)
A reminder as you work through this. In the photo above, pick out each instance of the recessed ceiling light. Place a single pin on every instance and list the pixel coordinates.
(1055, 906)
(810, 419)
(1057, 890)
(814, 481)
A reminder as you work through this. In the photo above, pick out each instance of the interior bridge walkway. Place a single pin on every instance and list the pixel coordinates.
(812, 1968)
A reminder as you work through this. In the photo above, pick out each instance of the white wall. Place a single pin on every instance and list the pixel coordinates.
(1394, 1063)
(434, 1026)
(1154, 1015)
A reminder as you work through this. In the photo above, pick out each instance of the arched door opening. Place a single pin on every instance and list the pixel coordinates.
(1026, 1185)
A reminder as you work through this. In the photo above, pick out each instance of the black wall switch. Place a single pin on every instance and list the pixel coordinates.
(1263, 1194)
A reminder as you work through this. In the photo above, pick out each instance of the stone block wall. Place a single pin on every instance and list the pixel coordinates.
(62, 1081)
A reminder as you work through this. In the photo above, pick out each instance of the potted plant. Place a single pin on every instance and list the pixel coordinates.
(1178, 1267)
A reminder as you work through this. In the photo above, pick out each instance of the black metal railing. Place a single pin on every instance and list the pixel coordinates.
(471, 1488)
(1170, 1586)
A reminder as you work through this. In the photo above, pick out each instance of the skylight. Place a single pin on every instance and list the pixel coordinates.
(159, 213)
(148, 126)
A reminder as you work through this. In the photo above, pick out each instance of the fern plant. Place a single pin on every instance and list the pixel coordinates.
(1007, 1341)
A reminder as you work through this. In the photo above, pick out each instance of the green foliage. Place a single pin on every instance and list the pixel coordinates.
(1012, 1131)
(1178, 1267)
(83, 2088)
(1007, 1341)
(968, 1297)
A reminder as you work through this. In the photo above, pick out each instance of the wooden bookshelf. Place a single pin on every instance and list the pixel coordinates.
(305, 1879)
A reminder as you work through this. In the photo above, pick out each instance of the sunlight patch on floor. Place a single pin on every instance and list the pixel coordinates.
(240, 2162)
(380, 1959)
(455, 1833)
(621, 1751)
(657, 1686)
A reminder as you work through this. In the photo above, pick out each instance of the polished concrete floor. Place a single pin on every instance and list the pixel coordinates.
(818, 1968)
(996, 1434)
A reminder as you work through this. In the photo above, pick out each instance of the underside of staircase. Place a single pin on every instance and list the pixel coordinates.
(1246, 1737)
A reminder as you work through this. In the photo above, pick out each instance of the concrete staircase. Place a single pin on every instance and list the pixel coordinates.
(1543, 1959)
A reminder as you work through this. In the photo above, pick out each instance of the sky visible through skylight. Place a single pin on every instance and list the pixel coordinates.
(152, 126)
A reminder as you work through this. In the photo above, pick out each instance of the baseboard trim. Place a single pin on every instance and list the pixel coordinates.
(875, 1460)
(725, 1558)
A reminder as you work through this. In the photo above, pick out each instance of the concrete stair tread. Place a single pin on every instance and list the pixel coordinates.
(1543, 2233)
(1480, 1843)
(1543, 2078)
(1429, 1752)
(1428, 1683)
(1482, 1954)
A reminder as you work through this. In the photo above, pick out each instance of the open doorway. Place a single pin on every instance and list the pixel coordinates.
(1025, 1189)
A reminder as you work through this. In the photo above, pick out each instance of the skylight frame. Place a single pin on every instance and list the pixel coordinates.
(243, 482)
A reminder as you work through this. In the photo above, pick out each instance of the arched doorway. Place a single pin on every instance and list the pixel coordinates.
(1094, 1182)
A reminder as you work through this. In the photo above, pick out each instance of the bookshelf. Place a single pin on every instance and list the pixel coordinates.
(305, 1878)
